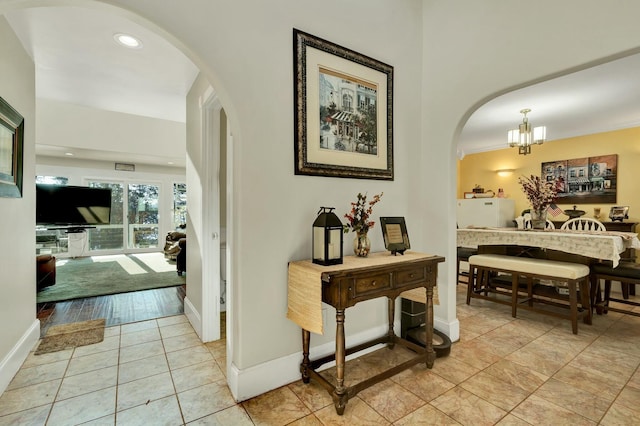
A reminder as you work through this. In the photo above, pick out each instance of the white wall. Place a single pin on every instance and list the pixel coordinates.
(77, 126)
(20, 329)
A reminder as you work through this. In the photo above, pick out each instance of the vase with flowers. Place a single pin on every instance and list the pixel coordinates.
(358, 221)
(540, 194)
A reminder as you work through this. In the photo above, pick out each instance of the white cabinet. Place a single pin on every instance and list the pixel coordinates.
(491, 212)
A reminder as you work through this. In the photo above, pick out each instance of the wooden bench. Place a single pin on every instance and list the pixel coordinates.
(523, 290)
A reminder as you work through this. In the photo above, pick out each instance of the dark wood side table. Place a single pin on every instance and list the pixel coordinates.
(343, 286)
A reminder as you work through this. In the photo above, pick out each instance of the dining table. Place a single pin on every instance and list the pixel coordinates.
(600, 245)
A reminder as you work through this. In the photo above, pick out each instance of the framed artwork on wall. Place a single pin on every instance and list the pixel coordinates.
(11, 147)
(343, 111)
(587, 180)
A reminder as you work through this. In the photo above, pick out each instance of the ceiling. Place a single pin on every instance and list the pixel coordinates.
(78, 61)
(598, 99)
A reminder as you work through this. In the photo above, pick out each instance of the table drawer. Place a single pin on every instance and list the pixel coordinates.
(410, 276)
(371, 284)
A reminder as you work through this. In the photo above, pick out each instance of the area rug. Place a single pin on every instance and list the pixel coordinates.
(103, 275)
(68, 336)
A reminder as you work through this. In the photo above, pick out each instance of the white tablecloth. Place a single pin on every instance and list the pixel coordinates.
(598, 245)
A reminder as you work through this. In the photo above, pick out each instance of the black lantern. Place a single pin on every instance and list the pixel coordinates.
(327, 238)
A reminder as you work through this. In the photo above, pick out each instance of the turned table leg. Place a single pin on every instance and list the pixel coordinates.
(428, 320)
(340, 392)
(304, 367)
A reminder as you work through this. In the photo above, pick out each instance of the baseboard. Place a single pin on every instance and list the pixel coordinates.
(253, 381)
(451, 329)
(11, 363)
(193, 316)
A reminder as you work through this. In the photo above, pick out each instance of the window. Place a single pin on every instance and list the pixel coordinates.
(109, 237)
(179, 205)
(52, 180)
(142, 215)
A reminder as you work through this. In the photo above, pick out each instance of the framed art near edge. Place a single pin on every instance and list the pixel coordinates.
(11, 146)
(343, 111)
(394, 232)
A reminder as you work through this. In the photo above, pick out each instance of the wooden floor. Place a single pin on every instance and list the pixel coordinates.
(115, 309)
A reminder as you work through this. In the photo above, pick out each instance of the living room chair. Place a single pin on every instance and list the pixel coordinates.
(584, 224)
(45, 271)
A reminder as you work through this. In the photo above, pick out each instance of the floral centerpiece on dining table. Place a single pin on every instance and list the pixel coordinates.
(358, 221)
(540, 194)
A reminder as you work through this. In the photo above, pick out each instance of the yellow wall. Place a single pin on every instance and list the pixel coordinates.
(480, 168)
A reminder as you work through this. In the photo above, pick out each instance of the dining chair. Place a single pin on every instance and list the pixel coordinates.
(584, 224)
(464, 253)
(627, 274)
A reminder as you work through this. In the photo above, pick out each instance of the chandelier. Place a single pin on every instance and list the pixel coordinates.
(524, 136)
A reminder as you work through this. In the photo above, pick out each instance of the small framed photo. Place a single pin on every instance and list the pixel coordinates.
(619, 213)
(394, 232)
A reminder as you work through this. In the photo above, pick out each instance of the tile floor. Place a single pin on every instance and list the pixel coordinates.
(526, 371)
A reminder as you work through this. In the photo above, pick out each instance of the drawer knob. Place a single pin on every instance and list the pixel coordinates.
(412, 275)
(373, 283)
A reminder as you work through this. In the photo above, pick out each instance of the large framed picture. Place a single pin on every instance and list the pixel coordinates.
(343, 111)
(11, 146)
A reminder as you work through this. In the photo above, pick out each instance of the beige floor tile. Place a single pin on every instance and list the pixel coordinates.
(310, 420)
(183, 341)
(196, 375)
(164, 411)
(142, 391)
(109, 343)
(33, 417)
(467, 408)
(538, 411)
(175, 329)
(91, 381)
(453, 370)
(591, 381)
(141, 368)
(356, 413)
(498, 392)
(38, 374)
(391, 400)
(83, 408)
(108, 420)
(423, 382)
(580, 402)
(516, 374)
(112, 331)
(188, 356)
(235, 416)
(141, 351)
(92, 362)
(135, 327)
(533, 356)
(619, 415)
(137, 337)
(175, 319)
(610, 342)
(630, 398)
(311, 394)
(217, 348)
(205, 400)
(426, 415)
(511, 420)
(279, 406)
(475, 353)
(12, 401)
(33, 360)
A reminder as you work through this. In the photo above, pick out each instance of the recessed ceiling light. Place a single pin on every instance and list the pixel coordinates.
(70, 154)
(169, 162)
(127, 40)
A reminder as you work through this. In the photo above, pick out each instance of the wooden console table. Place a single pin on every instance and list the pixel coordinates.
(342, 286)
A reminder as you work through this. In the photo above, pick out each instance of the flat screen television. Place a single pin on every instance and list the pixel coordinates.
(73, 206)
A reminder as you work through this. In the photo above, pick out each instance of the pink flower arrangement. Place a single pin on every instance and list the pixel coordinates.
(361, 210)
(540, 193)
